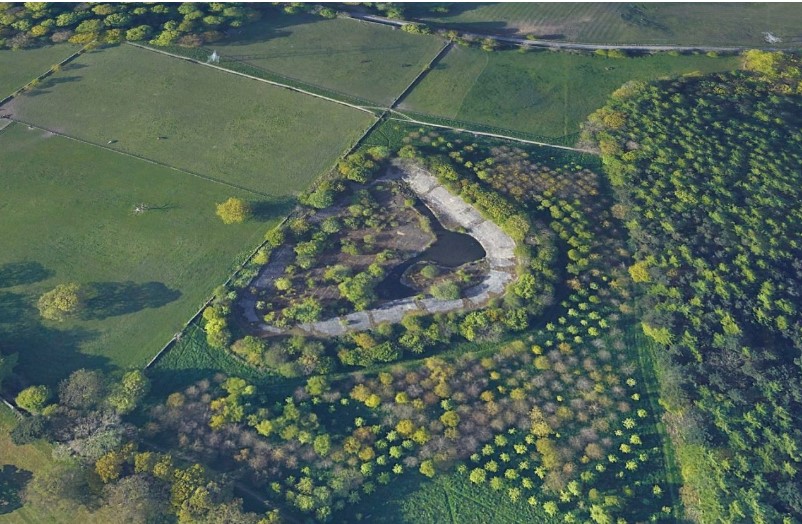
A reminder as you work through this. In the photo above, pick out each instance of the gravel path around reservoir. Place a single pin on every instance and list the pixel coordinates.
(452, 212)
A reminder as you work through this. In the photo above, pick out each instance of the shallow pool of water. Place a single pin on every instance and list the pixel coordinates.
(450, 249)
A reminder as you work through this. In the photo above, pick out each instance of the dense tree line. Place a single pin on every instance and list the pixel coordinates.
(101, 465)
(707, 173)
(32, 24)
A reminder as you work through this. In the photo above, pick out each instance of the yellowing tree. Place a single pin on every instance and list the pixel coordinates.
(60, 302)
(234, 211)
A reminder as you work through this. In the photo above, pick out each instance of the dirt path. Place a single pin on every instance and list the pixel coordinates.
(448, 208)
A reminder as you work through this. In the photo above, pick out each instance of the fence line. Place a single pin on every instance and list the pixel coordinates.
(493, 135)
(233, 275)
(14, 409)
(423, 72)
(46, 73)
(245, 75)
(138, 157)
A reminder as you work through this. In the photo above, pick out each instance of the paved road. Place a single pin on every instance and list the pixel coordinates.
(561, 45)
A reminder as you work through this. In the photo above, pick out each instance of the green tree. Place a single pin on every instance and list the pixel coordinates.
(427, 468)
(138, 33)
(61, 302)
(33, 399)
(445, 291)
(127, 395)
(234, 211)
(83, 389)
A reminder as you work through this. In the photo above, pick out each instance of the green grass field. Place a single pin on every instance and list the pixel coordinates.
(447, 499)
(717, 24)
(230, 128)
(68, 215)
(540, 92)
(192, 359)
(19, 67)
(359, 59)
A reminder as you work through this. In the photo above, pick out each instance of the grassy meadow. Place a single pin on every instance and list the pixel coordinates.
(68, 216)
(240, 131)
(719, 24)
(447, 499)
(358, 59)
(544, 93)
(20, 66)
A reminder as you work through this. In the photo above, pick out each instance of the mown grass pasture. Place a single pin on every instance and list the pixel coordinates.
(719, 24)
(68, 216)
(237, 130)
(358, 59)
(544, 93)
(20, 66)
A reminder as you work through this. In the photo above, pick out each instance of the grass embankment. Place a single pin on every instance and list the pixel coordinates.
(240, 131)
(714, 24)
(548, 94)
(68, 216)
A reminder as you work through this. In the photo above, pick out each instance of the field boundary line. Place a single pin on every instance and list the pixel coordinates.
(46, 73)
(14, 409)
(321, 177)
(199, 312)
(138, 157)
(485, 128)
(411, 120)
(364, 102)
(245, 75)
(422, 73)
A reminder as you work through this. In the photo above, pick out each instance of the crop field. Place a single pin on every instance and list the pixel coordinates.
(68, 216)
(670, 23)
(23, 65)
(545, 93)
(359, 59)
(240, 131)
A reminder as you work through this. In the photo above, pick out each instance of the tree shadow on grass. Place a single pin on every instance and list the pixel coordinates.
(267, 210)
(72, 66)
(12, 482)
(111, 299)
(50, 82)
(46, 352)
(19, 273)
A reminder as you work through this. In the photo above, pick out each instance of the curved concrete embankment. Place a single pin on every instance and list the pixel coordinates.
(452, 211)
